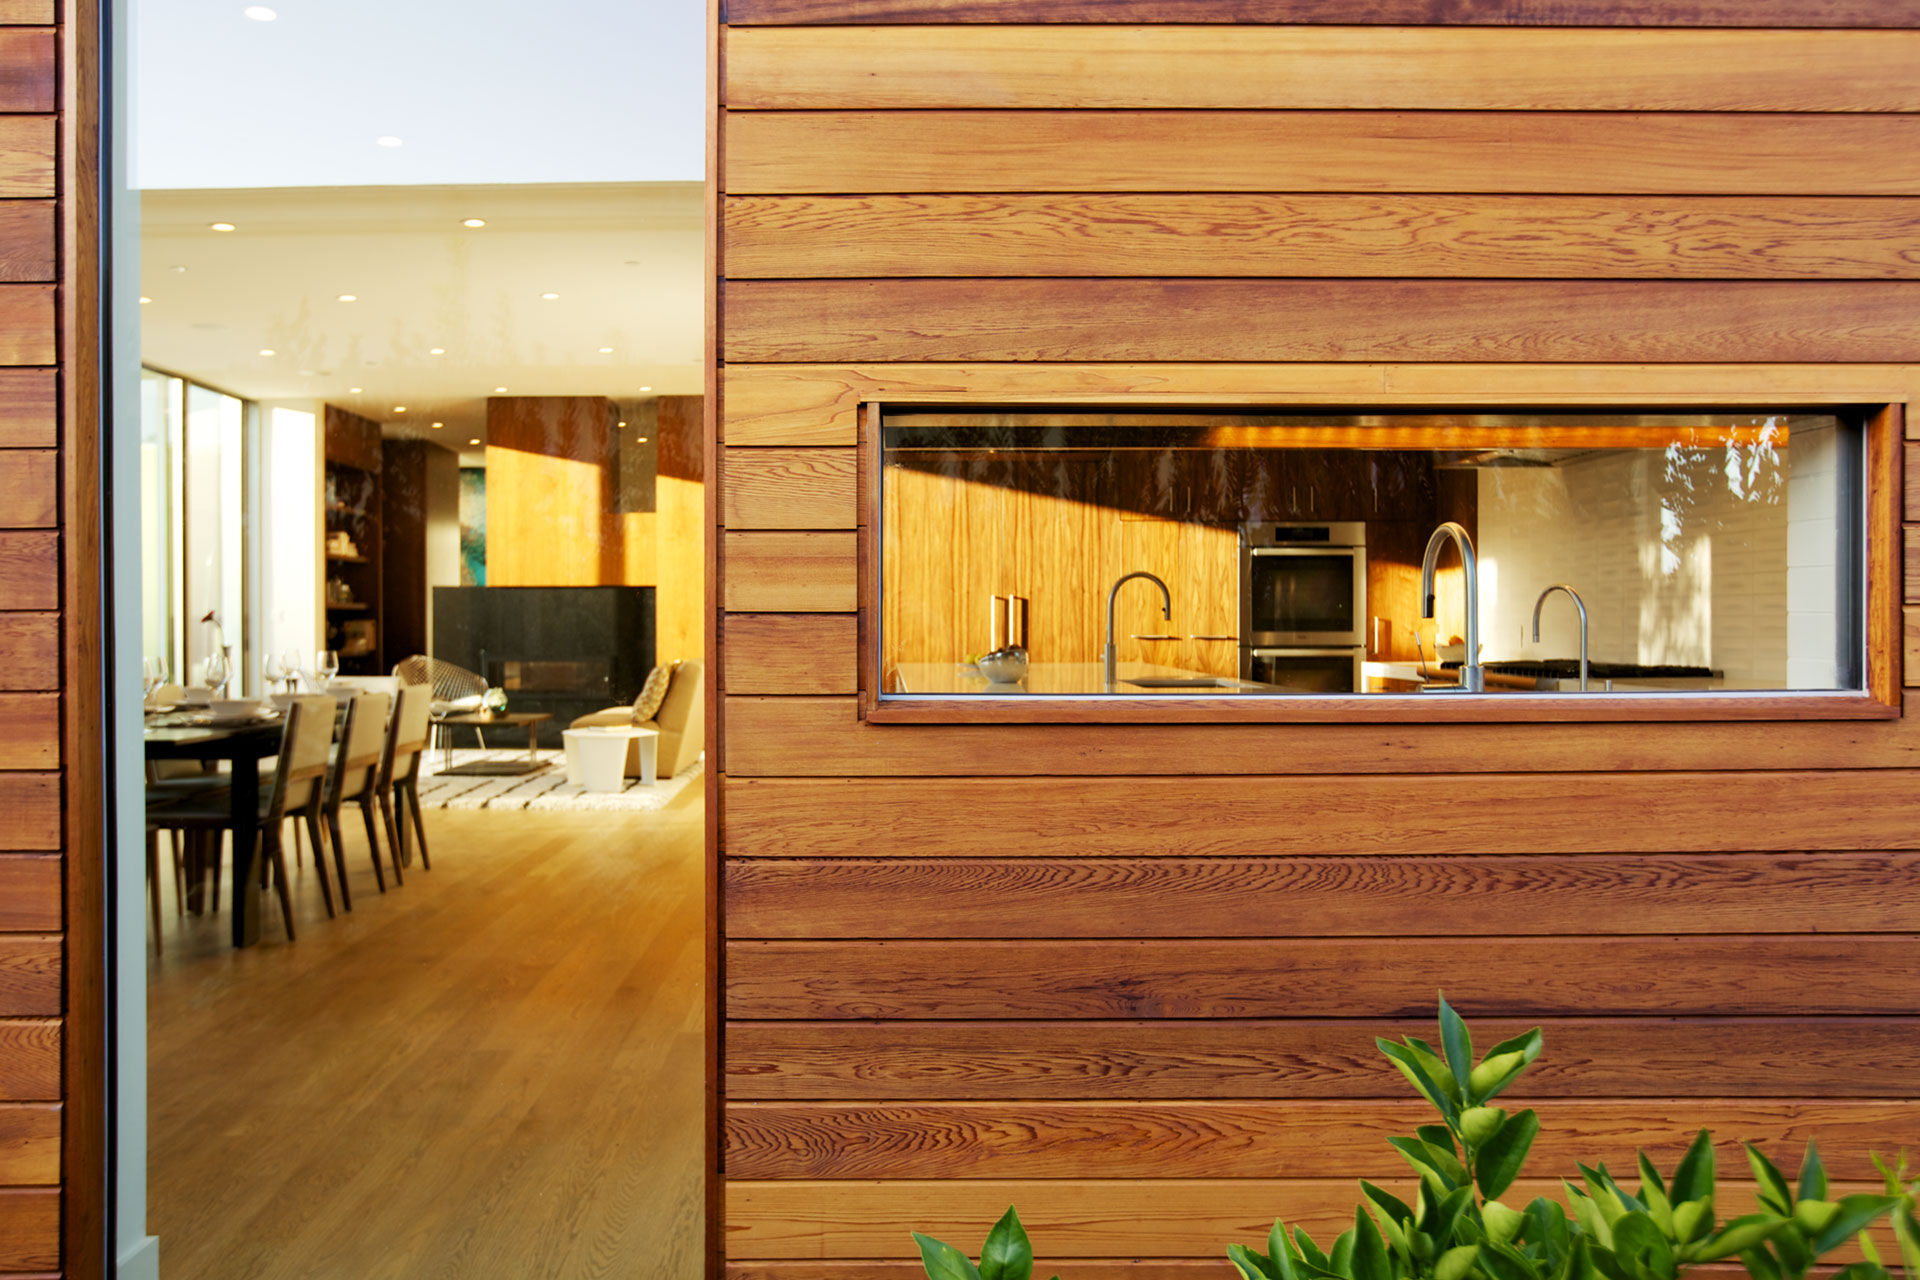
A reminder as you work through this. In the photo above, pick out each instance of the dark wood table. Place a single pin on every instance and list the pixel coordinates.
(243, 747)
(497, 768)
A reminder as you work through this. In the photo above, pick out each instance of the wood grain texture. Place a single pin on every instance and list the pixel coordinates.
(29, 1059)
(789, 489)
(29, 1229)
(28, 72)
(1546, 237)
(1291, 1139)
(26, 240)
(790, 572)
(29, 489)
(30, 900)
(29, 406)
(1910, 631)
(27, 324)
(1626, 153)
(29, 571)
(553, 522)
(775, 321)
(1069, 1218)
(33, 13)
(1497, 13)
(789, 653)
(823, 737)
(1833, 1057)
(29, 651)
(1105, 67)
(29, 1144)
(1319, 977)
(1323, 816)
(1318, 897)
(30, 984)
(31, 802)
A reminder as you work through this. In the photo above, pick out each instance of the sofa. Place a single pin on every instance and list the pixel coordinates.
(681, 723)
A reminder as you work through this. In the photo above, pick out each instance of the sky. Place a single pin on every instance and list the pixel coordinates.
(475, 91)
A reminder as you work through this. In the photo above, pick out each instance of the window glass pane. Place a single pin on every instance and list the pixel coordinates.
(1714, 552)
(159, 435)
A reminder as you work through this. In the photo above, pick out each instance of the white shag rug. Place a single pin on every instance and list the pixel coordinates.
(546, 791)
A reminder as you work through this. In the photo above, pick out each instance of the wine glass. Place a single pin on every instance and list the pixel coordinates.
(326, 665)
(290, 663)
(275, 670)
(217, 672)
(153, 674)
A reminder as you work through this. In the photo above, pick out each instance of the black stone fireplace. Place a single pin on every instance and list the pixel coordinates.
(563, 650)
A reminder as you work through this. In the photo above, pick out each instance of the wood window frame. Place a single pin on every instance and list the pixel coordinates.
(1879, 699)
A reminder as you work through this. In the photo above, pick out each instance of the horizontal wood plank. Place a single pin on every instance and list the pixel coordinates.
(1039, 897)
(802, 405)
(27, 151)
(1321, 977)
(807, 652)
(30, 985)
(1362, 320)
(29, 1144)
(1302, 1058)
(1910, 628)
(27, 325)
(29, 1059)
(1323, 816)
(26, 240)
(1493, 237)
(30, 901)
(29, 410)
(29, 489)
(824, 737)
(29, 571)
(790, 572)
(31, 802)
(29, 1229)
(1291, 1139)
(1516, 13)
(29, 651)
(1069, 1218)
(35, 13)
(789, 489)
(28, 71)
(1327, 68)
(1624, 153)
(32, 737)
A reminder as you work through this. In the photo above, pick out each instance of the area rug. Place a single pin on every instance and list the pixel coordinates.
(546, 792)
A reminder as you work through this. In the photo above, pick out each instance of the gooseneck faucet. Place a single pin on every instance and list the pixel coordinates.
(1110, 656)
(1472, 678)
(1579, 604)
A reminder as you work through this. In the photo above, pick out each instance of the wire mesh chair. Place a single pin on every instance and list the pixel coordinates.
(455, 690)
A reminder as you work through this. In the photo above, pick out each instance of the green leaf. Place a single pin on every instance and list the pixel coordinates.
(1309, 1251)
(1654, 1193)
(1280, 1252)
(1498, 1162)
(1774, 1193)
(943, 1261)
(1007, 1254)
(1456, 1262)
(1813, 1175)
(1459, 1045)
(1588, 1215)
(1394, 1216)
(1642, 1247)
(1861, 1271)
(1424, 1155)
(1855, 1213)
(1370, 1261)
(1340, 1260)
(1250, 1265)
(1742, 1234)
(1498, 1070)
(1693, 1180)
(1760, 1264)
(1546, 1226)
(1504, 1262)
(1437, 1135)
(1443, 1224)
(1416, 1073)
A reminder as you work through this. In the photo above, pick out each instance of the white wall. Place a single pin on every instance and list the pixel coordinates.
(1666, 579)
(291, 522)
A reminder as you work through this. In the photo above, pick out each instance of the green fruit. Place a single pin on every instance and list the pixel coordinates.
(1493, 1071)
(1503, 1224)
(1814, 1215)
(1477, 1124)
(1455, 1263)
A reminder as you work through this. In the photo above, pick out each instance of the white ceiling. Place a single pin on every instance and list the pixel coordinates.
(478, 91)
(625, 260)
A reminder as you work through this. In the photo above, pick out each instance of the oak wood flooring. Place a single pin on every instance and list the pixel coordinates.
(493, 1071)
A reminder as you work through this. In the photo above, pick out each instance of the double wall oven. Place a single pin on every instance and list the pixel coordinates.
(1303, 605)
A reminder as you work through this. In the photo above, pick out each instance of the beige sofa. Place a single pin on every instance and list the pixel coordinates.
(681, 722)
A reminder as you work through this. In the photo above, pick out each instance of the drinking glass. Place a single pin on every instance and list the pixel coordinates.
(275, 670)
(217, 672)
(153, 674)
(326, 665)
(290, 663)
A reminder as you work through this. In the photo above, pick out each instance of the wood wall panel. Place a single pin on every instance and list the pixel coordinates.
(29, 1144)
(28, 650)
(1326, 897)
(29, 409)
(1831, 1057)
(1626, 153)
(1278, 1139)
(790, 572)
(29, 571)
(1103, 67)
(28, 71)
(30, 976)
(27, 150)
(789, 489)
(29, 1059)
(29, 493)
(1567, 13)
(1323, 816)
(795, 653)
(1232, 320)
(30, 900)
(31, 802)
(1319, 977)
(1546, 237)
(36, 13)
(550, 492)
(27, 334)
(29, 1229)
(26, 240)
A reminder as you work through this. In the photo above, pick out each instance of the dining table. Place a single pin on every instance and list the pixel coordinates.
(242, 745)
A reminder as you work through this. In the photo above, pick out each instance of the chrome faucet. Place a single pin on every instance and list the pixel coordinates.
(1110, 656)
(1472, 678)
(1579, 604)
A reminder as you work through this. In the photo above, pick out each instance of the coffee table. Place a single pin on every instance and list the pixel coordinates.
(496, 768)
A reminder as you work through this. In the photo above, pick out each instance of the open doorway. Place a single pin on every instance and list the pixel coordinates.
(420, 369)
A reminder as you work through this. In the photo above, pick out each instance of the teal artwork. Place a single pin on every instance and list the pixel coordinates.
(473, 526)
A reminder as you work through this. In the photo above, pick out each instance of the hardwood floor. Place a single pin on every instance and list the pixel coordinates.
(493, 1071)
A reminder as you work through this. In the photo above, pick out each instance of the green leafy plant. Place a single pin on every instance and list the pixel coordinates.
(1006, 1255)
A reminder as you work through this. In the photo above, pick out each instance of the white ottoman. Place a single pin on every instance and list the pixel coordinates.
(597, 757)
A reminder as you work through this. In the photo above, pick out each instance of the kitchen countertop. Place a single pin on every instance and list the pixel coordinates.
(1063, 679)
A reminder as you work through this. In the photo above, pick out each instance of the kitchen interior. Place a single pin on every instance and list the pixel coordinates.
(1089, 552)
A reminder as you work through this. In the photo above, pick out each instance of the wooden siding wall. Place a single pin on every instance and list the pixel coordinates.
(51, 913)
(1128, 976)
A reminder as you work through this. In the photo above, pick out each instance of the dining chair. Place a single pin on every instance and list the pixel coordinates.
(399, 782)
(296, 789)
(355, 777)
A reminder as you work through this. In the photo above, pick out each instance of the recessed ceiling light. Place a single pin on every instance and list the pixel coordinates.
(354, 391)
(641, 439)
(619, 424)
(266, 351)
(388, 140)
(220, 226)
(474, 222)
(259, 13)
(348, 297)
(399, 408)
(179, 271)
(606, 351)
(144, 301)
(438, 425)
(549, 297)
(436, 351)
(499, 390)
(646, 388)
(475, 440)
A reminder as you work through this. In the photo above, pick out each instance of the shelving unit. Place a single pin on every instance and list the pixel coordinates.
(353, 504)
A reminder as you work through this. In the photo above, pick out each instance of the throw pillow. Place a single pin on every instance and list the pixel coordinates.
(652, 694)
